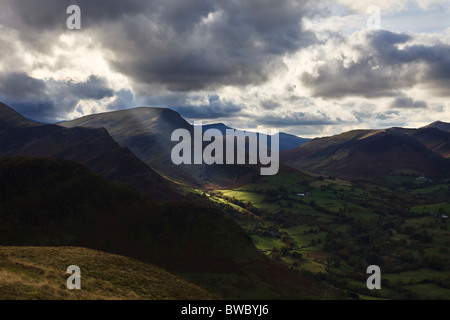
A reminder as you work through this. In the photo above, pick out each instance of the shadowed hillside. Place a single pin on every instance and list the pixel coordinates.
(49, 202)
(434, 139)
(93, 148)
(367, 154)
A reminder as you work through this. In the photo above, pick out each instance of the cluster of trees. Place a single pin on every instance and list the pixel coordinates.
(434, 261)
(246, 205)
(274, 195)
(270, 230)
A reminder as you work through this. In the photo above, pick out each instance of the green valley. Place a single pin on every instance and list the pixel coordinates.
(331, 230)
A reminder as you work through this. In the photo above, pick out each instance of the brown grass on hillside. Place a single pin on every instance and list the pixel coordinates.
(40, 273)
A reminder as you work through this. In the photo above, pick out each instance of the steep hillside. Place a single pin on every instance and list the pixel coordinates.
(93, 148)
(434, 139)
(49, 202)
(147, 133)
(40, 273)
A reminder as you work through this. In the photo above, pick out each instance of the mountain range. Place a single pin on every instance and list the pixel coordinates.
(147, 133)
(139, 140)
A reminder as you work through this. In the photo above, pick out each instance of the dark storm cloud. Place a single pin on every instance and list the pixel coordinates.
(408, 103)
(20, 84)
(47, 15)
(51, 99)
(240, 43)
(217, 108)
(184, 45)
(387, 115)
(386, 40)
(270, 104)
(390, 119)
(296, 119)
(384, 68)
(94, 88)
(124, 99)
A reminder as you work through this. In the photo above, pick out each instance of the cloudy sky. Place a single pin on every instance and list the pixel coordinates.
(312, 68)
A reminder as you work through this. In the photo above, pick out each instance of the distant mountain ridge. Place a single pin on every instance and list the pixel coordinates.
(92, 147)
(287, 141)
(355, 154)
(362, 154)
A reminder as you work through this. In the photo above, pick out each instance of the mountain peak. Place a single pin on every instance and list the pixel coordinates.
(443, 126)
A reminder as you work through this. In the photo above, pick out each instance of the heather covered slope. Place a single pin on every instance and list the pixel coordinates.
(49, 202)
(94, 148)
(40, 273)
(365, 154)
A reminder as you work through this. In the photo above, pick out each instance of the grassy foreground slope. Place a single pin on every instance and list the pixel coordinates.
(40, 273)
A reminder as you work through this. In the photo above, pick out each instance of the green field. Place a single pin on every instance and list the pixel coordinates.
(267, 243)
(431, 290)
(432, 208)
(416, 275)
